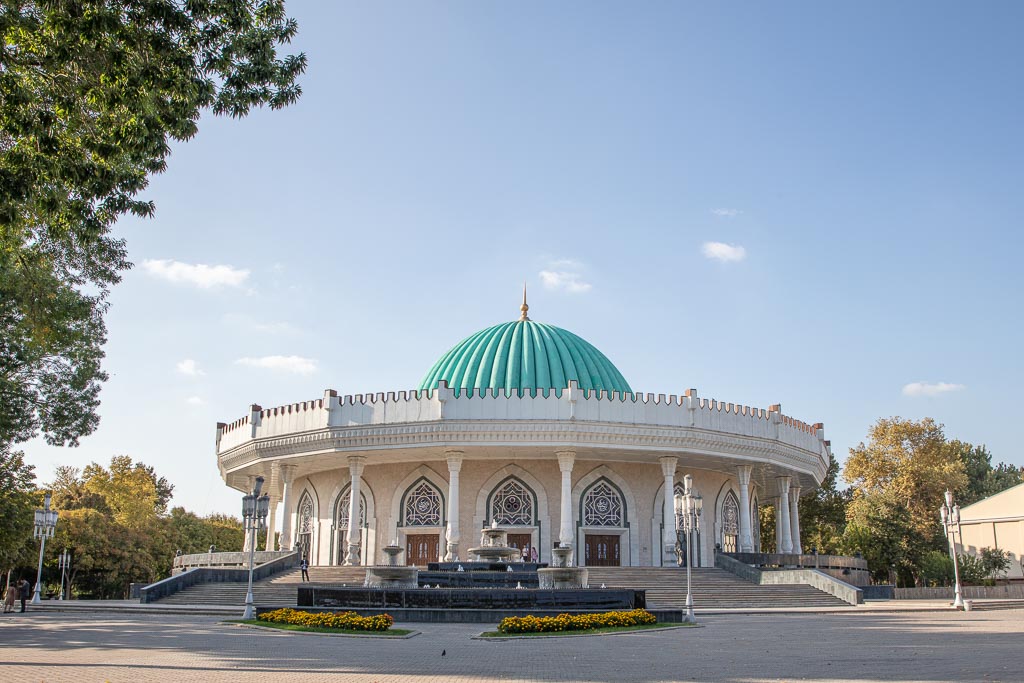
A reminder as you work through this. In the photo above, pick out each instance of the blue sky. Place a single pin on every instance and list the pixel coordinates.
(808, 203)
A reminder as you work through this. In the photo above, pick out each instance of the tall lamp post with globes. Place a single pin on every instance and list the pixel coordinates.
(950, 513)
(689, 506)
(254, 513)
(46, 521)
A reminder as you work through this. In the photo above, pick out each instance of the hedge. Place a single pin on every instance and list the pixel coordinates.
(343, 620)
(575, 622)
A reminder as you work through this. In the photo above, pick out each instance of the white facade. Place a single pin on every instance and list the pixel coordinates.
(569, 466)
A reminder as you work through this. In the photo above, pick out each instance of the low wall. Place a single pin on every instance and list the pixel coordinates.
(192, 577)
(811, 577)
(1013, 591)
(848, 569)
(234, 559)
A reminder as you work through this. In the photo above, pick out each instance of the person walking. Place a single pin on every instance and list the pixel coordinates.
(9, 598)
(305, 569)
(24, 592)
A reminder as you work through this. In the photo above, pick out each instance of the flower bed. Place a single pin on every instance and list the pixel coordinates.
(575, 622)
(341, 620)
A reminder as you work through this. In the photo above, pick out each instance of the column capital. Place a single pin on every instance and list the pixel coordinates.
(566, 460)
(454, 458)
(287, 472)
(668, 465)
(356, 463)
(743, 473)
(783, 485)
(794, 493)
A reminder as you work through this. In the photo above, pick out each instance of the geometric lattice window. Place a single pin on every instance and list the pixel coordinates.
(679, 490)
(730, 522)
(602, 506)
(512, 505)
(422, 506)
(343, 503)
(306, 514)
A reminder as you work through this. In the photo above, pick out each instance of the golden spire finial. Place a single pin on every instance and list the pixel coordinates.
(524, 308)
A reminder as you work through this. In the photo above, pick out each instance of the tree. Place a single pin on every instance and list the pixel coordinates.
(191, 533)
(17, 503)
(912, 464)
(823, 514)
(983, 480)
(92, 94)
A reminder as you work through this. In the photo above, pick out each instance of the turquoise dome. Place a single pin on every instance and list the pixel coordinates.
(525, 355)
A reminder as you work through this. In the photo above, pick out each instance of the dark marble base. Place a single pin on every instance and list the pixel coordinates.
(531, 599)
(479, 579)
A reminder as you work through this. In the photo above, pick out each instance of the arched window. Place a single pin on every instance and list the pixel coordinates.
(730, 522)
(306, 514)
(422, 505)
(602, 506)
(341, 520)
(512, 504)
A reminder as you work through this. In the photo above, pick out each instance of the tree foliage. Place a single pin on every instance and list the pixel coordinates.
(92, 93)
(983, 480)
(17, 503)
(823, 515)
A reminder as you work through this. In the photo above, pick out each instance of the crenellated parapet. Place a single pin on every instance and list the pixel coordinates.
(409, 419)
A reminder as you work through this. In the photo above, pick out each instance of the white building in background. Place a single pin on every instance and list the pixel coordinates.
(528, 426)
(997, 522)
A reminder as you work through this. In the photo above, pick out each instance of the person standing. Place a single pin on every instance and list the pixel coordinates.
(12, 595)
(305, 569)
(24, 592)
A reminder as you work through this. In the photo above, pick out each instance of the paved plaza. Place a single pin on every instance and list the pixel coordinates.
(931, 646)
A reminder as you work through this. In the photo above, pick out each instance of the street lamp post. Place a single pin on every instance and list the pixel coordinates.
(950, 514)
(46, 521)
(65, 566)
(254, 513)
(689, 506)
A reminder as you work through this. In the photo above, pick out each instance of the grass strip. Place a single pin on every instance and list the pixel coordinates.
(315, 629)
(587, 632)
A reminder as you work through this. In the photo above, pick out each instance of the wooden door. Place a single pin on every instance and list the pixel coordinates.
(421, 549)
(601, 551)
(521, 541)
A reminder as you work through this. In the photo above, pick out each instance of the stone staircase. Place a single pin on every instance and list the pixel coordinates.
(665, 586)
(279, 589)
(712, 588)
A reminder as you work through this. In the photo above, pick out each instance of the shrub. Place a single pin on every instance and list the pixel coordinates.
(575, 622)
(345, 620)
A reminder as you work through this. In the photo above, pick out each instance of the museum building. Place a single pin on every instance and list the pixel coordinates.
(527, 426)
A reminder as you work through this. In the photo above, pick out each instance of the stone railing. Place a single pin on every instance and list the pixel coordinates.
(852, 570)
(197, 575)
(1011, 592)
(234, 559)
(811, 577)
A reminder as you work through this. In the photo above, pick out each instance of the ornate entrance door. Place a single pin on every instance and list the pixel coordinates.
(421, 549)
(520, 541)
(601, 551)
(303, 545)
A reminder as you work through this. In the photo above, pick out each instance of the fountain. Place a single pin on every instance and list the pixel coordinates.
(562, 574)
(392, 574)
(493, 545)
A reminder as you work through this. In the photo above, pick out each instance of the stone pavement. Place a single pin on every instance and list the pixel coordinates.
(911, 646)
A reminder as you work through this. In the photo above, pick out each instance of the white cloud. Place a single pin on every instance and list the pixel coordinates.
(198, 274)
(565, 281)
(194, 401)
(930, 388)
(190, 368)
(720, 251)
(296, 364)
(726, 213)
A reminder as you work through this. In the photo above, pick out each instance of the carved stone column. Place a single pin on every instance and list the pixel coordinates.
(785, 541)
(565, 530)
(746, 538)
(356, 463)
(668, 542)
(270, 542)
(794, 518)
(287, 472)
(454, 459)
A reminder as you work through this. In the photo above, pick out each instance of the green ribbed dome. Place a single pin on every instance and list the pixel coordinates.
(525, 355)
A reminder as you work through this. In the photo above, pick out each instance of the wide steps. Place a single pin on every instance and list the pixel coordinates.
(712, 588)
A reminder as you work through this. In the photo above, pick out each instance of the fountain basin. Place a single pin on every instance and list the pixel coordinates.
(392, 577)
(562, 577)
